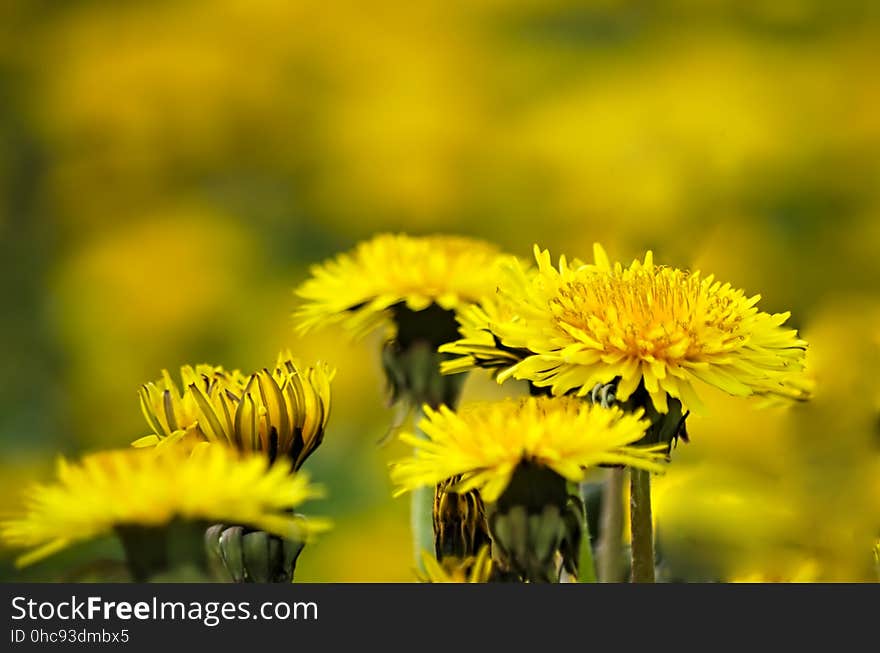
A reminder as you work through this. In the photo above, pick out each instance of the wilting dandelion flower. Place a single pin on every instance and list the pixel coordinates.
(282, 412)
(659, 328)
(472, 569)
(135, 489)
(412, 286)
(517, 456)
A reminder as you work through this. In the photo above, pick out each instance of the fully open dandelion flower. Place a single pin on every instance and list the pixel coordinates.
(116, 489)
(517, 455)
(485, 443)
(362, 288)
(412, 286)
(282, 412)
(659, 327)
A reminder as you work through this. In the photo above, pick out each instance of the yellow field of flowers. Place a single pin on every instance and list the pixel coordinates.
(178, 180)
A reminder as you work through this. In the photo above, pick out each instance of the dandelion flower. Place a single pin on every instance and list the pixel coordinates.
(363, 288)
(412, 286)
(485, 443)
(282, 412)
(653, 327)
(113, 490)
(517, 455)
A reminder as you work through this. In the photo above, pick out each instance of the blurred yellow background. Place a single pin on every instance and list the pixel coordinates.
(169, 170)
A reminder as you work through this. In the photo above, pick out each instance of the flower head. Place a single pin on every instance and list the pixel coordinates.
(282, 412)
(485, 443)
(412, 286)
(359, 288)
(577, 326)
(131, 487)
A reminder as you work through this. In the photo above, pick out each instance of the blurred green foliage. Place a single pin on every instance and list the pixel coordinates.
(168, 171)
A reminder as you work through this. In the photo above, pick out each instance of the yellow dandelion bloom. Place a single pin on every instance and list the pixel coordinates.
(663, 328)
(282, 412)
(473, 569)
(485, 443)
(359, 288)
(132, 487)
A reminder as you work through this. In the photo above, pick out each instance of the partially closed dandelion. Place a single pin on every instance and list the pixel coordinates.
(460, 526)
(150, 498)
(168, 410)
(281, 412)
(518, 455)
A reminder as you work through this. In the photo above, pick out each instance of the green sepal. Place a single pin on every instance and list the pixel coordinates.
(231, 553)
(250, 556)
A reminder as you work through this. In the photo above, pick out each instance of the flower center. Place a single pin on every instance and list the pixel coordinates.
(650, 313)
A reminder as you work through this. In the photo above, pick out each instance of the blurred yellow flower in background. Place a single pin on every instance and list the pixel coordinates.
(169, 171)
(114, 489)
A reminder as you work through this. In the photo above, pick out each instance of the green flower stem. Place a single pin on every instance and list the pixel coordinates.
(421, 511)
(610, 549)
(586, 564)
(641, 526)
